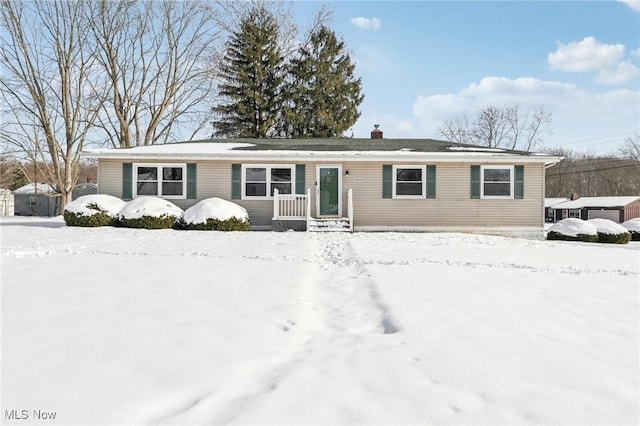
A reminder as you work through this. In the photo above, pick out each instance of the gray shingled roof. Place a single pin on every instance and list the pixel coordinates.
(349, 144)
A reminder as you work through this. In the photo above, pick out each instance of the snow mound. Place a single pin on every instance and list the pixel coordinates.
(606, 226)
(89, 205)
(214, 208)
(149, 206)
(572, 227)
(632, 225)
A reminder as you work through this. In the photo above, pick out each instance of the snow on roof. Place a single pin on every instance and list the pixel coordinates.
(354, 149)
(475, 149)
(548, 202)
(174, 148)
(31, 188)
(596, 202)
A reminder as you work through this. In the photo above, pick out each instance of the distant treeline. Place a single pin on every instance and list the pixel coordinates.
(592, 176)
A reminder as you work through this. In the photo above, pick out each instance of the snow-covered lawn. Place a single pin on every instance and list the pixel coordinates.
(128, 326)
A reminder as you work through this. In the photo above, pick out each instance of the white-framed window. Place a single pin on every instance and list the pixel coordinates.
(259, 181)
(496, 182)
(574, 213)
(162, 180)
(409, 181)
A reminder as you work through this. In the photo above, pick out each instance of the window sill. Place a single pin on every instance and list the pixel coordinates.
(496, 197)
(410, 197)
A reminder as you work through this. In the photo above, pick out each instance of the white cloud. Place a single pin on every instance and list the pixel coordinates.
(366, 23)
(437, 108)
(591, 55)
(586, 55)
(527, 89)
(621, 73)
(578, 115)
(635, 53)
(633, 4)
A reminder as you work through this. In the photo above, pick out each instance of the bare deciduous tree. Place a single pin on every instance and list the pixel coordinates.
(155, 58)
(129, 72)
(631, 147)
(51, 106)
(508, 127)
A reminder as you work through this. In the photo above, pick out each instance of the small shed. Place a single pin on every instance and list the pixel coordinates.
(618, 209)
(6, 202)
(35, 200)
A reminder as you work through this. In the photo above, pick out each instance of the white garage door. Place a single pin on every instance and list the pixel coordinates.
(613, 215)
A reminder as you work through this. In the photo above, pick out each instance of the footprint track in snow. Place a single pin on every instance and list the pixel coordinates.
(353, 299)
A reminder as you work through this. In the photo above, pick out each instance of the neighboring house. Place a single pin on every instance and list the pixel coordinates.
(6, 202)
(365, 184)
(41, 200)
(35, 200)
(618, 209)
(549, 213)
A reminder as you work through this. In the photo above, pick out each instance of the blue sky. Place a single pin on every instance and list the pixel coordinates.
(422, 62)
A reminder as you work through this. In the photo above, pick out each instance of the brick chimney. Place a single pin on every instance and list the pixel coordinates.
(376, 133)
(574, 196)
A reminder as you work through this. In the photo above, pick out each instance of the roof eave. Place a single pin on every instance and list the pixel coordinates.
(354, 156)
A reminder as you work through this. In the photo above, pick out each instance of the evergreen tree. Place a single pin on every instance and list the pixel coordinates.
(252, 73)
(19, 178)
(322, 94)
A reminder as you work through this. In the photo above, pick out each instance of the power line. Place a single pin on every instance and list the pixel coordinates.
(580, 142)
(587, 162)
(603, 137)
(593, 170)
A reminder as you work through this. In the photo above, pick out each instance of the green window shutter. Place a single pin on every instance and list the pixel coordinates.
(431, 181)
(127, 180)
(300, 169)
(475, 181)
(518, 187)
(191, 180)
(387, 181)
(236, 181)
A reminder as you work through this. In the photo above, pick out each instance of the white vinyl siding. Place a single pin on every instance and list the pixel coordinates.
(451, 208)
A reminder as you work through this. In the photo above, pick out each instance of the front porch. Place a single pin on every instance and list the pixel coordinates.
(293, 212)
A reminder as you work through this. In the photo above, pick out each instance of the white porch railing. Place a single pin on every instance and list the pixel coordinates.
(291, 206)
(350, 208)
(298, 207)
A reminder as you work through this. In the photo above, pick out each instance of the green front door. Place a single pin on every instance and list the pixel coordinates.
(329, 195)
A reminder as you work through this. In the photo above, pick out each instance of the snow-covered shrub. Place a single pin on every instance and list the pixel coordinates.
(572, 229)
(633, 226)
(215, 214)
(610, 232)
(149, 213)
(92, 210)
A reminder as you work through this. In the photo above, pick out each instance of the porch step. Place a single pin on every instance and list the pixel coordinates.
(329, 225)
